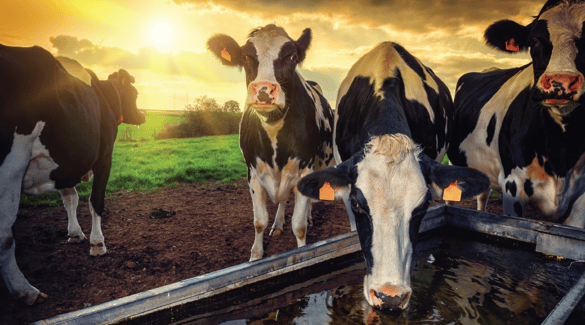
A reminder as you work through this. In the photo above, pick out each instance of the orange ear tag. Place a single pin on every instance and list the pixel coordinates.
(512, 46)
(226, 55)
(327, 192)
(452, 193)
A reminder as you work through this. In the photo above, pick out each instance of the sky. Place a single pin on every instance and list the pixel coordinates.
(162, 42)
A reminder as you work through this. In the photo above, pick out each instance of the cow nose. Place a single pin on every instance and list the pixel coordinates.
(561, 83)
(389, 298)
(264, 93)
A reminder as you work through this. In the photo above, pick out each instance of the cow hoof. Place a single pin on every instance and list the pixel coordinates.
(275, 232)
(76, 239)
(41, 298)
(98, 250)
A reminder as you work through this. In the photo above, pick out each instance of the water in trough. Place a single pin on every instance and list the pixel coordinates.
(455, 280)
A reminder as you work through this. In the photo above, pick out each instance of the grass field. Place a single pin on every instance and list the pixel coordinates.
(151, 164)
(155, 122)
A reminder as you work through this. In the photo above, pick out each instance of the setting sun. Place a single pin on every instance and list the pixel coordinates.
(161, 34)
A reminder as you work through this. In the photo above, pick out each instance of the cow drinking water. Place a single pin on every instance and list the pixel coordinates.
(391, 127)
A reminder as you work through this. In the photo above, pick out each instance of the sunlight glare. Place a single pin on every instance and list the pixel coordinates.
(161, 34)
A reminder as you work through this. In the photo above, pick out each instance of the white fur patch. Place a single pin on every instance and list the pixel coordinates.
(267, 48)
(390, 178)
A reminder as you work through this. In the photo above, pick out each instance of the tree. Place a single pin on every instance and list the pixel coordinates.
(231, 106)
(204, 103)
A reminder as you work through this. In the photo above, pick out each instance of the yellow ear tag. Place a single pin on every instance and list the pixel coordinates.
(452, 193)
(226, 55)
(327, 192)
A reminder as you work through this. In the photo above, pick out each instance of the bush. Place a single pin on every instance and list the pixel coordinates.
(201, 124)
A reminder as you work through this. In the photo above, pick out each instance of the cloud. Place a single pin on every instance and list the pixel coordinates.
(199, 66)
(417, 16)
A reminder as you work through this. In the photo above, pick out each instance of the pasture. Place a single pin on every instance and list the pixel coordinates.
(150, 164)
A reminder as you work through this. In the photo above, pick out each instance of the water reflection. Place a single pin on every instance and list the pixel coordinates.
(467, 283)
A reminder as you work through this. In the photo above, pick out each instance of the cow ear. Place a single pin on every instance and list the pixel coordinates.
(470, 181)
(125, 78)
(508, 36)
(330, 183)
(303, 44)
(226, 49)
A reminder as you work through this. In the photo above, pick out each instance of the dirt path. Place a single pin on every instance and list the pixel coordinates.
(211, 230)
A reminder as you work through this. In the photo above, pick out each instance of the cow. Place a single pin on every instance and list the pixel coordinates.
(286, 128)
(55, 130)
(392, 126)
(523, 126)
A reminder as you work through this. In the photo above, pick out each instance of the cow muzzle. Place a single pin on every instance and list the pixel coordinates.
(390, 298)
(264, 94)
(560, 88)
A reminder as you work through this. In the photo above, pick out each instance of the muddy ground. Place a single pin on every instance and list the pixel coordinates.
(211, 230)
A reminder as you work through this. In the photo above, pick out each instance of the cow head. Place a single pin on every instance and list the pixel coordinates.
(557, 49)
(269, 58)
(389, 186)
(128, 94)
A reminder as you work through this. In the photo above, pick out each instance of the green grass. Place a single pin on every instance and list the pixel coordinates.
(155, 122)
(154, 164)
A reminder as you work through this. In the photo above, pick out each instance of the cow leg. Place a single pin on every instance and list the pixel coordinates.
(299, 217)
(350, 214)
(260, 216)
(482, 200)
(96, 205)
(70, 201)
(277, 226)
(11, 174)
(577, 216)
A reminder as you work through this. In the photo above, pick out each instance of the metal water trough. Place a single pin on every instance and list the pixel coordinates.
(543, 237)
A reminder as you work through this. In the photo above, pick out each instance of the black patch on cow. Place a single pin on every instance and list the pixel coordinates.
(364, 225)
(417, 215)
(528, 188)
(511, 188)
(299, 137)
(518, 209)
(410, 61)
(540, 47)
(474, 90)
(491, 129)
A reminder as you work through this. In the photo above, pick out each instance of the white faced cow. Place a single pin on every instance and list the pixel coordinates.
(54, 130)
(286, 128)
(524, 127)
(391, 124)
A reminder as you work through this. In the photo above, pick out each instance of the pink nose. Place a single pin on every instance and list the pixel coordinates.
(560, 83)
(389, 297)
(264, 93)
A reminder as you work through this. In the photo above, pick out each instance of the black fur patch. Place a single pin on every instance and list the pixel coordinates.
(511, 188)
(490, 130)
(528, 189)
(518, 209)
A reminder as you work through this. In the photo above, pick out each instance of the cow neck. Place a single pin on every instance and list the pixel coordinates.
(110, 89)
(273, 116)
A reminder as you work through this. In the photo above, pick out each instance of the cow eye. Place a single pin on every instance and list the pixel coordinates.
(534, 42)
(355, 206)
(294, 57)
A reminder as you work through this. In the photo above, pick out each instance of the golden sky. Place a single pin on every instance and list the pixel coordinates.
(162, 42)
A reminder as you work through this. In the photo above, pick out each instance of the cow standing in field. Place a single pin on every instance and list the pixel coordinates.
(524, 127)
(286, 128)
(391, 127)
(55, 130)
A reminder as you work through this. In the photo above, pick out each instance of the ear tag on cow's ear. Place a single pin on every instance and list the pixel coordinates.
(226, 55)
(452, 193)
(327, 192)
(512, 46)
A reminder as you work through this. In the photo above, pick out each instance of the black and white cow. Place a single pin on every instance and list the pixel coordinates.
(54, 130)
(524, 127)
(391, 127)
(286, 128)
